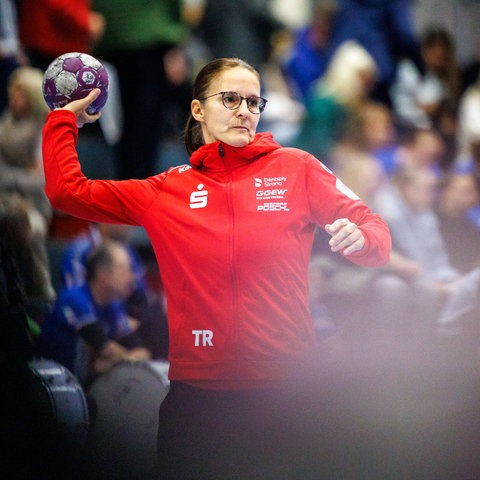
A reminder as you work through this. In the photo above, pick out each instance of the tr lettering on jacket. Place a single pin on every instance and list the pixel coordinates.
(203, 338)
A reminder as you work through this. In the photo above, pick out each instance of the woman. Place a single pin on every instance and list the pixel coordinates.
(232, 235)
(22, 196)
(418, 94)
(336, 98)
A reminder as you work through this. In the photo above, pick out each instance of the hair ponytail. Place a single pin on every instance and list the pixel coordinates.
(193, 136)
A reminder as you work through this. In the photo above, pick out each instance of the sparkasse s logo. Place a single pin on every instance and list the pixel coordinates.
(199, 199)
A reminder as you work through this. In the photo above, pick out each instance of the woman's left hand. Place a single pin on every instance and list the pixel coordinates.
(346, 236)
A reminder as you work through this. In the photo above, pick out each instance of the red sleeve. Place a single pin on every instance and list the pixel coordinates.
(68, 189)
(330, 200)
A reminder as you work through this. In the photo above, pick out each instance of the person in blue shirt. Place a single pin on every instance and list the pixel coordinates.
(386, 29)
(311, 50)
(143, 303)
(88, 330)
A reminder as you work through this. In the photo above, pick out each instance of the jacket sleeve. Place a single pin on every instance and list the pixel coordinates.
(330, 200)
(68, 189)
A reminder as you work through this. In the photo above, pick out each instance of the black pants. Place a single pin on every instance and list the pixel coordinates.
(221, 435)
(359, 421)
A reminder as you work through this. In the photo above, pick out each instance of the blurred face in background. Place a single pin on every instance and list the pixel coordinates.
(18, 103)
(427, 149)
(420, 190)
(459, 194)
(119, 277)
(378, 129)
(321, 27)
(437, 54)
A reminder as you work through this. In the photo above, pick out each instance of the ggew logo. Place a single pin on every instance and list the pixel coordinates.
(199, 199)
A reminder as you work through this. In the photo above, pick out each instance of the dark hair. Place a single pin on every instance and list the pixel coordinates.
(193, 136)
(434, 35)
(99, 258)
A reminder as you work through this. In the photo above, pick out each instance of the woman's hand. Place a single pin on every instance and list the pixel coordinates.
(346, 236)
(79, 108)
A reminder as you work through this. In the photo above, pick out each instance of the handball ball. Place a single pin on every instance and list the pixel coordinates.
(72, 76)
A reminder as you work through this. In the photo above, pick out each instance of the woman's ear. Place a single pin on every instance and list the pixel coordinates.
(197, 110)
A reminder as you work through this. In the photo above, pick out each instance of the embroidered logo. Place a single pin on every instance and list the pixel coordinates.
(271, 196)
(183, 168)
(199, 199)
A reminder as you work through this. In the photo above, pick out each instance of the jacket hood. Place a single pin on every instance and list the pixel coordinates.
(209, 156)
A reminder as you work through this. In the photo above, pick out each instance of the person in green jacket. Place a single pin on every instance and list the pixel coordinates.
(143, 41)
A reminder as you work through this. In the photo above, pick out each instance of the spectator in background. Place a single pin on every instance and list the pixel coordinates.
(49, 28)
(385, 29)
(419, 256)
(142, 303)
(471, 70)
(353, 157)
(9, 46)
(417, 147)
(468, 132)
(418, 93)
(311, 50)
(408, 203)
(459, 193)
(22, 181)
(371, 294)
(88, 331)
(230, 29)
(16, 351)
(380, 137)
(445, 123)
(144, 42)
(22, 121)
(336, 97)
(285, 110)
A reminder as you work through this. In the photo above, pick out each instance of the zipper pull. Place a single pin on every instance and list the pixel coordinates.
(220, 150)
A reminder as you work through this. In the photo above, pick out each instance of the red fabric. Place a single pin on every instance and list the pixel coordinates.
(54, 27)
(232, 237)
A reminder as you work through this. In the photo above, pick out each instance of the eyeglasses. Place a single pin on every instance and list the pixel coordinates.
(233, 100)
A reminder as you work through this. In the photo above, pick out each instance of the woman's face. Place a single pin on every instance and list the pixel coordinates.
(420, 192)
(18, 101)
(233, 127)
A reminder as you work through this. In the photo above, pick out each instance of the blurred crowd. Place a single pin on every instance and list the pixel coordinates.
(388, 108)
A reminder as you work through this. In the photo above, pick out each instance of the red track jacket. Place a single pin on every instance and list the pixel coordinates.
(232, 236)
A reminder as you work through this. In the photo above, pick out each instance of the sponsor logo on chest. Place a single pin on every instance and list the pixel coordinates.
(199, 198)
(270, 194)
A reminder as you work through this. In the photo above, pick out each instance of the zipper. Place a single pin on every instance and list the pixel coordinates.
(231, 258)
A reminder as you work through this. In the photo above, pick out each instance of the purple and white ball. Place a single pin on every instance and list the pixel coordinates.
(72, 76)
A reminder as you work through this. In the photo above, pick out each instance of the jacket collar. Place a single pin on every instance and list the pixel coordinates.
(215, 155)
